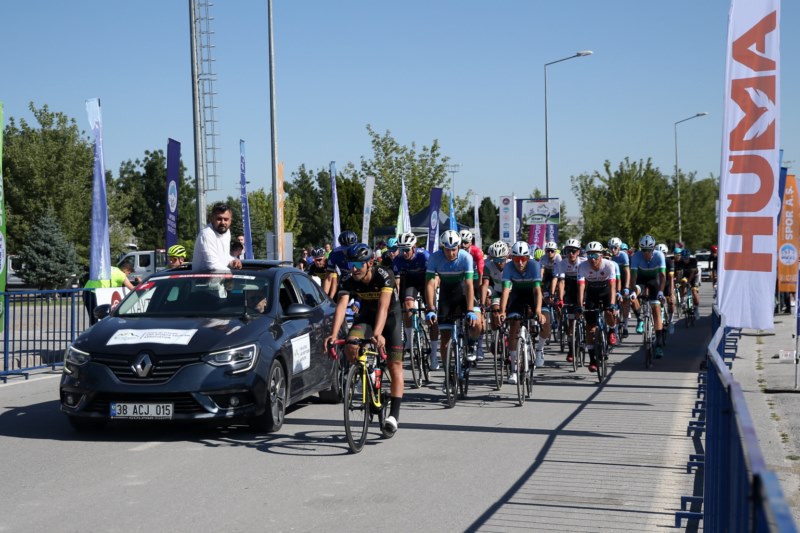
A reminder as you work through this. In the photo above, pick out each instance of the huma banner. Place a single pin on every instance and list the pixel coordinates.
(100, 247)
(788, 238)
(3, 251)
(173, 175)
(337, 227)
(508, 218)
(433, 219)
(248, 237)
(369, 187)
(748, 192)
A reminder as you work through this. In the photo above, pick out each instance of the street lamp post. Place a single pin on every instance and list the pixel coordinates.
(677, 176)
(546, 147)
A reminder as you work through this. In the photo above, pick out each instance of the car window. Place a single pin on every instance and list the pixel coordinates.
(703, 257)
(309, 290)
(144, 261)
(287, 295)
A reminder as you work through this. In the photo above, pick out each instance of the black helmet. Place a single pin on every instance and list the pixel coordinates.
(318, 252)
(348, 238)
(359, 252)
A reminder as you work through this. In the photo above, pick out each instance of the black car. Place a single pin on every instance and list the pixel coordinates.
(219, 347)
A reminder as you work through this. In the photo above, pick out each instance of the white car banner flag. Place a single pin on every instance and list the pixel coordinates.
(749, 201)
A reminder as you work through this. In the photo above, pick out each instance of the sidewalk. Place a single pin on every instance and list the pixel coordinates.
(768, 383)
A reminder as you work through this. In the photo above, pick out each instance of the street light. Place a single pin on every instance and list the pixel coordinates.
(546, 147)
(677, 177)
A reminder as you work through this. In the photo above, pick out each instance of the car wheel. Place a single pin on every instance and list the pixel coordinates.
(86, 424)
(334, 394)
(275, 405)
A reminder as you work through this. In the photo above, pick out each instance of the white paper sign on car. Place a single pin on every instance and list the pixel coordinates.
(157, 336)
(301, 352)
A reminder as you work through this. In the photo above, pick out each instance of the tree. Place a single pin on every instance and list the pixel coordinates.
(488, 214)
(303, 191)
(47, 168)
(260, 206)
(48, 258)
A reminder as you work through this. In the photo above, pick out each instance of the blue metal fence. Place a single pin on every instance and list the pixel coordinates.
(37, 328)
(740, 494)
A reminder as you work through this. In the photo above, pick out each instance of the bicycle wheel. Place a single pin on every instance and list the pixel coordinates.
(499, 352)
(425, 355)
(573, 343)
(531, 368)
(600, 349)
(649, 348)
(463, 382)
(562, 333)
(580, 334)
(451, 374)
(522, 358)
(416, 359)
(689, 310)
(356, 405)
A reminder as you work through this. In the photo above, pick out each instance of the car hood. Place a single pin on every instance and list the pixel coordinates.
(126, 336)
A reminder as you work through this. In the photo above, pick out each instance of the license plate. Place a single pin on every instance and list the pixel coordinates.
(142, 411)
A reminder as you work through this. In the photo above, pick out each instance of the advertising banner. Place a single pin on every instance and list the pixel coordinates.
(788, 237)
(173, 175)
(453, 223)
(433, 219)
(369, 187)
(537, 235)
(477, 232)
(403, 218)
(749, 174)
(508, 219)
(248, 237)
(100, 247)
(337, 227)
(3, 250)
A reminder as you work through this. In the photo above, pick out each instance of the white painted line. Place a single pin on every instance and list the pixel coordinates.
(22, 381)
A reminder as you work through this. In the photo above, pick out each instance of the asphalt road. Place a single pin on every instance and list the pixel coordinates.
(576, 457)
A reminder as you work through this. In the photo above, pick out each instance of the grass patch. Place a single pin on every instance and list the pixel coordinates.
(775, 417)
(793, 457)
(785, 438)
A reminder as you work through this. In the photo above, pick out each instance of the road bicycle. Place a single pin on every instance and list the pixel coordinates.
(601, 345)
(688, 303)
(420, 347)
(577, 337)
(367, 393)
(649, 333)
(456, 364)
(526, 366)
(499, 342)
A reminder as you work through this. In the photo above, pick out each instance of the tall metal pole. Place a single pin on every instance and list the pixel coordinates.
(277, 211)
(546, 146)
(677, 176)
(199, 167)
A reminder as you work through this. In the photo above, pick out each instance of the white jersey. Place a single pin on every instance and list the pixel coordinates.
(567, 270)
(597, 279)
(550, 263)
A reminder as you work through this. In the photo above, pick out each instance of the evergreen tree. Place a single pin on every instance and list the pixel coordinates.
(49, 259)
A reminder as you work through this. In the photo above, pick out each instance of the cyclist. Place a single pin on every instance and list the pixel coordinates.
(375, 287)
(549, 263)
(477, 263)
(621, 258)
(522, 288)
(453, 266)
(319, 267)
(648, 270)
(713, 265)
(689, 277)
(492, 284)
(176, 255)
(597, 289)
(568, 281)
(337, 262)
(388, 255)
(409, 266)
(669, 288)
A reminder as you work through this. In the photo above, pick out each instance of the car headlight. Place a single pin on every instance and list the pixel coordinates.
(239, 359)
(75, 357)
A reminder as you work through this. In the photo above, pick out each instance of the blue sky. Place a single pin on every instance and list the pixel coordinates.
(468, 73)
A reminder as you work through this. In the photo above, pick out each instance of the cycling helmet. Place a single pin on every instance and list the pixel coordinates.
(594, 247)
(614, 242)
(176, 250)
(450, 239)
(407, 240)
(714, 248)
(318, 252)
(498, 250)
(359, 252)
(662, 248)
(538, 254)
(348, 238)
(552, 245)
(520, 249)
(623, 246)
(647, 242)
(466, 236)
(573, 243)
(685, 253)
(391, 243)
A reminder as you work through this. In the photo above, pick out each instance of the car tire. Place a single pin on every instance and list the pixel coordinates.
(86, 424)
(275, 404)
(334, 394)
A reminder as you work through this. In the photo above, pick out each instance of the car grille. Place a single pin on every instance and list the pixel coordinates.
(184, 402)
(164, 367)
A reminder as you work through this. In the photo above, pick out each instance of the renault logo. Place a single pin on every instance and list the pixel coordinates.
(142, 365)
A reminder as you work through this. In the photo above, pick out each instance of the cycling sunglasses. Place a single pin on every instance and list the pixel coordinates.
(593, 256)
(356, 264)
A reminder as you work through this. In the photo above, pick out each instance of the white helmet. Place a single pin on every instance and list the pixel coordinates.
(552, 245)
(498, 250)
(466, 236)
(662, 248)
(520, 249)
(450, 239)
(594, 246)
(573, 243)
(614, 242)
(407, 240)
(647, 242)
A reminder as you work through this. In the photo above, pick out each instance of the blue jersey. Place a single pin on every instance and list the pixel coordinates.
(646, 270)
(418, 264)
(450, 272)
(526, 280)
(622, 260)
(337, 261)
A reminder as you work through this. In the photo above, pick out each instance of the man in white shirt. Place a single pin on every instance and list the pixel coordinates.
(213, 244)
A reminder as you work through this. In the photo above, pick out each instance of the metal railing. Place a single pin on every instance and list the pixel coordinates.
(37, 328)
(739, 492)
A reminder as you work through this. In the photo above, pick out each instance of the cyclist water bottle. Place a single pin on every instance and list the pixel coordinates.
(377, 378)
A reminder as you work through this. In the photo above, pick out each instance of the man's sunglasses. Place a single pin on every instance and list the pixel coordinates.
(550, 251)
(593, 256)
(356, 264)
(571, 251)
(520, 258)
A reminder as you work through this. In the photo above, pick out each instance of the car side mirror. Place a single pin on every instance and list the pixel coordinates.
(102, 311)
(298, 311)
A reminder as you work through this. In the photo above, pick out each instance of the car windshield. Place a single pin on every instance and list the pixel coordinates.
(703, 257)
(197, 295)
